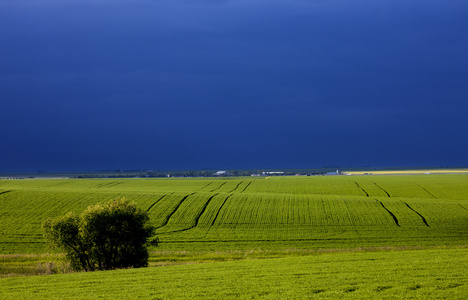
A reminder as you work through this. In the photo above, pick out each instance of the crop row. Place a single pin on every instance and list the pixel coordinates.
(284, 210)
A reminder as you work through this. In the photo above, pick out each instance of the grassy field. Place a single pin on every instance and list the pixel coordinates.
(423, 274)
(246, 213)
(290, 220)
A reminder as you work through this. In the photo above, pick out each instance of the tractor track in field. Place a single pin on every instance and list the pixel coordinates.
(218, 187)
(197, 218)
(4, 192)
(463, 207)
(149, 208)
(109, 184)
(422, 217)
(221, 207)
(393, 216)
(246, 186)
(205, 185)
(174, 210)
(367, 195)
(388, 195)
(427, 192)
(237, 186)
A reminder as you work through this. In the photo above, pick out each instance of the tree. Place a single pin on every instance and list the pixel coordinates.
(108, 235)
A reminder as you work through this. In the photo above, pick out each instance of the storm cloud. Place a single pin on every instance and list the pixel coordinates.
(232, 84)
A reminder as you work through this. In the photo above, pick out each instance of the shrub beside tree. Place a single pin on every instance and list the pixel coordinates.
(106, 236)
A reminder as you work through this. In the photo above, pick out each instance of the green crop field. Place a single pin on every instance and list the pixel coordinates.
(423, 274)
(218, 219)
(255, 213)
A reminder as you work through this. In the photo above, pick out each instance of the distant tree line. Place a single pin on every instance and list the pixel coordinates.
(192, 173)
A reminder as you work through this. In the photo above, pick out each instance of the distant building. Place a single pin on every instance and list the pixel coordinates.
(220, 173)
(272, 173)
(334, 173)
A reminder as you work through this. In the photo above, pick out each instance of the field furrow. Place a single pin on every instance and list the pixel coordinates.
(421, 216)
(156, 202)
(391, 214)
(363, 190)
(173, 210)
(381, 188)
(245, 188)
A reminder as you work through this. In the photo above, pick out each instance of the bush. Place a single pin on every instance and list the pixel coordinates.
(105, 236)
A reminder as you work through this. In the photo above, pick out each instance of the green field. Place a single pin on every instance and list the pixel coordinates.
(247, 213)
(423, 274)
(222, 219)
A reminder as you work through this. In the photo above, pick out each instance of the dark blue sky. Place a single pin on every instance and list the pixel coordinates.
(232, 84)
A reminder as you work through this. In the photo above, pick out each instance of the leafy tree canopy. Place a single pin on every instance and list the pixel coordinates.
(108, 235)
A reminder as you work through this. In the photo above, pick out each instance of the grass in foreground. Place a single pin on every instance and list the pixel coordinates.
(17, 265)
(425, 274)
